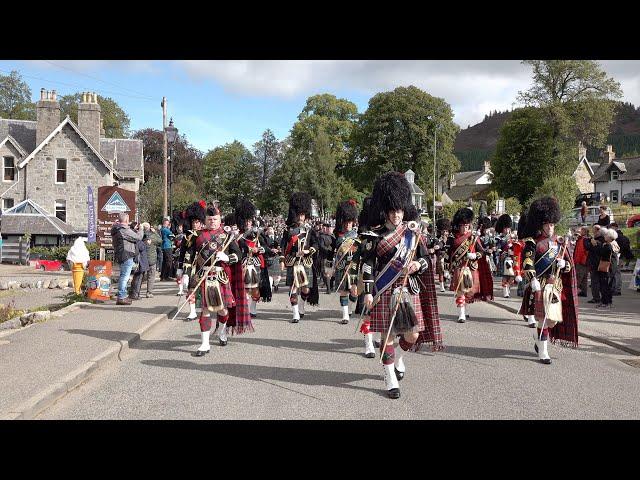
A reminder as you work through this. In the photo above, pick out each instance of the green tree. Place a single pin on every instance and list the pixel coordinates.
(512, 206)
(15, 98)
(577, 100)
(268, 155)
(397, 133)
(149, 201)
(335, 116)
(523, 157)
(564, 188)
(114, 118)
(238, 174)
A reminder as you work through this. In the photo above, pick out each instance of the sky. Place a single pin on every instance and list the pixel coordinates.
(215, 102)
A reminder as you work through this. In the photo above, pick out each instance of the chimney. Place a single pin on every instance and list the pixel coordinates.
(487, 166)
(608, 155)
(102, 133)
(89, 121)
(47, 114)
(582, 151)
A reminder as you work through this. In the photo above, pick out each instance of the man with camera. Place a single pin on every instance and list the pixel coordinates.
(124, 247)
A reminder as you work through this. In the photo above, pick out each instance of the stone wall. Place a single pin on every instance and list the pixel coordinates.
(582, 177)
(83, 169)
(16, 192)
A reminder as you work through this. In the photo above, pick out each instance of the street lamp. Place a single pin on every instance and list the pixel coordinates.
(172, 134)
(216, 179)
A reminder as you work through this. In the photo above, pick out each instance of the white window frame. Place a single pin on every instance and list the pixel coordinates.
(5, 207)
(617, 199)
(66, 171)
(617, 175)
(55, 209)
(4, 168)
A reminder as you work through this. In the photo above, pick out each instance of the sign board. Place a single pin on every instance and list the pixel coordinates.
(111, 202)
(91, 227)
(99, 280)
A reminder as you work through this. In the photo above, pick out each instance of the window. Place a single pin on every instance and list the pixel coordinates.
(61, 170)
(61, 210)
(614, 174)
(9, 169)
(7, 203)
(614, 196)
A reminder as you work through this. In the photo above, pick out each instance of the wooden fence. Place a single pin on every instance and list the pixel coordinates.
(13, 251)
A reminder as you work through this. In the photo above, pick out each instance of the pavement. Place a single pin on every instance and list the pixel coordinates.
(132, 362)
(618, 327)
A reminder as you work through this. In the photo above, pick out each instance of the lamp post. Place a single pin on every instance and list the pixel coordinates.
(216, 179)
(172, 134)
(435, 137)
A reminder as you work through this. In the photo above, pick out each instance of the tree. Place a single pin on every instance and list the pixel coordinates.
(238, 174)
(523, 157)
(335, 116)
(397, 133)
(149, 201)
(114, 118)
(15, 98)
(268, 155)
(577, 100)
(187, 160)
(564, 188)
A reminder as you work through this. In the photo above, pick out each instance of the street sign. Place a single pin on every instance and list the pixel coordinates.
(91, 228)
(111, 202)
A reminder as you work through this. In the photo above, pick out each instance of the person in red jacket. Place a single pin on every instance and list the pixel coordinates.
(580, 255)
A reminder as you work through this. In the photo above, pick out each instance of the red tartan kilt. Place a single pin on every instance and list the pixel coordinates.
(508, 281)
(539, 307)
(469, 296)
(381, 313)
(525, 309)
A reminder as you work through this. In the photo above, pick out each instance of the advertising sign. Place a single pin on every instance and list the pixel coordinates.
(111, 202)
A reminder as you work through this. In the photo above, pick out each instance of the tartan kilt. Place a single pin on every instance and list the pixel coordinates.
(508, 280)
(440, 265)
(348, 281)
(381, 313)
(274, 268)
(239, 318)
(290, 277)
(526, 308)
(475, 290)
(225, 290)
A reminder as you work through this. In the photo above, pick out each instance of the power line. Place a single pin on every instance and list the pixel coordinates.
(96, 78)
(80, 86)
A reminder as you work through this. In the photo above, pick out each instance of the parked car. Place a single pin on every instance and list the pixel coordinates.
(593, 213)
(631, 199)
(50, 265)
(593, 198)
(633, 221)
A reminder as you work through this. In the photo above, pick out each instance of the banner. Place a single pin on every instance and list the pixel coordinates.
(91, 237)
(111, 202)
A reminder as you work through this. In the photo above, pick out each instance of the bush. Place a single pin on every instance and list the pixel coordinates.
(60, 253)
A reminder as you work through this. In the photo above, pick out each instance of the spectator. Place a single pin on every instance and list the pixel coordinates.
(167, 250)
(583, 212)
(625, 251)
(143, 266)
(124, 250)
(603, 219)
(607, 254)
(159, 250)
(580, 256)
(154, 242)
(593, 246)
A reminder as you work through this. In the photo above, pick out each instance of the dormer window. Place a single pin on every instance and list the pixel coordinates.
(614, 174)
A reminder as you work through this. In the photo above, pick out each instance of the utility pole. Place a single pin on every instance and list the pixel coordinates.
(164, 155)
(434, 178)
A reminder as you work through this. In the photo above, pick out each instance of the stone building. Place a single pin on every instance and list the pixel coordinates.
(615, 178)
(584, 171)
(465, 186)
(51, 162)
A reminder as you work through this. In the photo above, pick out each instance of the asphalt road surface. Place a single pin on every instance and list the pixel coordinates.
(316, 370)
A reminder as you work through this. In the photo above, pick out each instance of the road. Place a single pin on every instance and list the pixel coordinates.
(315, 370)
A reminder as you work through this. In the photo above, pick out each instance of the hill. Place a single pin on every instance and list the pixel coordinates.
(477, 143)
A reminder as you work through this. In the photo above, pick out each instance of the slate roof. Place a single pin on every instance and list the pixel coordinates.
(127, 154)
(22, 131)
(629, 170)
(464, 192)
(467, 178)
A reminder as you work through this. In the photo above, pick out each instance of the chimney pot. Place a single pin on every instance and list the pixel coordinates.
(54, 95)
(42, 93)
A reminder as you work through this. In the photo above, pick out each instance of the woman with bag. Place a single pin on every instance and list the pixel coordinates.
(607, 265)
(142, 261)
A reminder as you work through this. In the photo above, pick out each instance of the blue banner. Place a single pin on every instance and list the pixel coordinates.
(91, 237)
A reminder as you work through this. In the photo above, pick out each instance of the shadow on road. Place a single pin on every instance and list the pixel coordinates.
(261, 373)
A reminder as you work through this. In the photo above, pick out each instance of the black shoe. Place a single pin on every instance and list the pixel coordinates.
(344, 321)
(275, 288)
(394, 393)
(370, 355)
(222, 343)
(617, 294)
(295, 320)
(200, 353)
(532, 325)
(593, 301)
(301, 316)
(377, 343)
(399, 374)
(461, 320)
(252, 315)
(545, 361)
(535, 347)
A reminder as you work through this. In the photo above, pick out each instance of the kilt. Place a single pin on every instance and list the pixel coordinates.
(508, 280)
(527, 307)
(290, 276)
(381, 313)
(274, 268)
(440, 265)
(225, 290)
(475, 290)
(348, 281)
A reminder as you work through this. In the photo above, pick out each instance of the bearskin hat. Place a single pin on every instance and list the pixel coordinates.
(484, 223)
(464, 215)
(229, 220)
(443, 224)
(300, 202)
(213, 210)
(543, 210)
(245, 210)
(179, 217)
(346, 212)
(411, 214)
(504, 221)
(522, 226)
(391, 192)
(195, 211)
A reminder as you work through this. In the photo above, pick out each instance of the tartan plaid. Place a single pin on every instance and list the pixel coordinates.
(389, 242)
(482, 289)
(432, 334)
(310, 276)
(239, 317)
(225, 290)
(381, 313)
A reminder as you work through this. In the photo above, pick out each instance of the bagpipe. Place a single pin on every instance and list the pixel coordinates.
(299, 261)
(251, 263)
